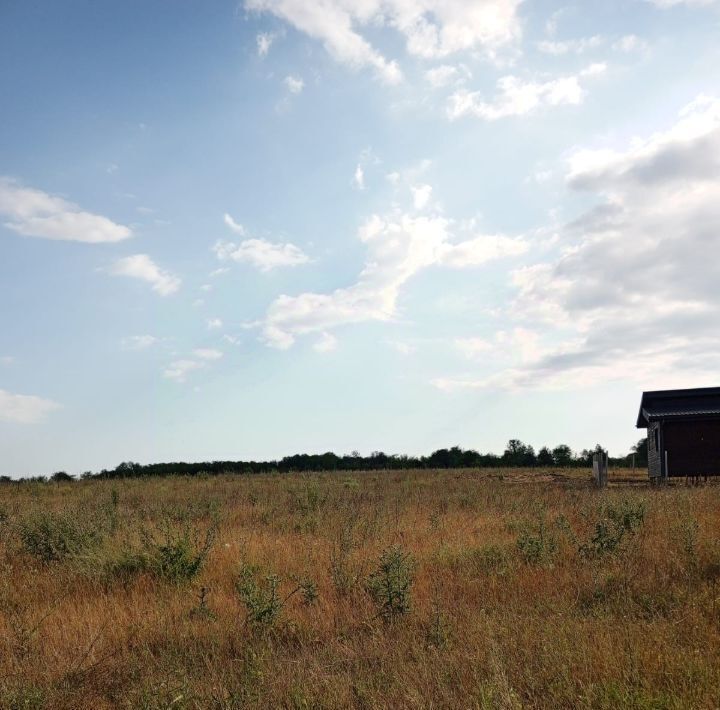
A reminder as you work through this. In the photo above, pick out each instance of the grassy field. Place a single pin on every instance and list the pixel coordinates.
(420, 589)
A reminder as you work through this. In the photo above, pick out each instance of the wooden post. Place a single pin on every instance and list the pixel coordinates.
(600, 469)
(666, 475)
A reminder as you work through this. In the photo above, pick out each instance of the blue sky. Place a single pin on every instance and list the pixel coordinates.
(244, 230)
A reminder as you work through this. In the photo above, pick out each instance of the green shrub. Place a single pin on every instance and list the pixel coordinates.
(537, 546)
(53, 536)
(389, 585)
(179, 553)
(619, 523)
(260, 596)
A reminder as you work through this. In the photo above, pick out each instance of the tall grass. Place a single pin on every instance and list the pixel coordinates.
(391, 590)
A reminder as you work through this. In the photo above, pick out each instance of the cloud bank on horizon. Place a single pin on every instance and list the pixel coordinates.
(476, 198)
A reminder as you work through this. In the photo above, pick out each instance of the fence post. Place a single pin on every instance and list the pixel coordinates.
(600, 469)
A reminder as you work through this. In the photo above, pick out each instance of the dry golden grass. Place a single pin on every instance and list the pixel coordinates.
(506, 609)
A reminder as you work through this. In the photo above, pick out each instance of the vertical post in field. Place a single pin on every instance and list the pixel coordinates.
(600, 469)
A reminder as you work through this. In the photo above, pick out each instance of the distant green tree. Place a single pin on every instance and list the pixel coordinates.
(60, 477)
(562, 455)
(518, 454)
(641, 452)
(545, 457)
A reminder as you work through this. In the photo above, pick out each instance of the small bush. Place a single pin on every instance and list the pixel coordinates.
(537, 546)
(620, 522)
(53, 536)
(260, 597)
(389, 585)
(179, 554)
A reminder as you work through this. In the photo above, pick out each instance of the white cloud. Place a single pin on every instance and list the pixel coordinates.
(219, 272)
(178, 370)
(294, 84)
(207, 353)
(398, 247)
(571, 46)
(139, 342)
(326, 343)
(421, 196)
(359, 177)
(141, 266)
(23, 408)
(235, 226)
(260, 253)
(431, 28)
(630, 43)
(517, 97)
(264, 41)
(633, 295)
(7, 360)
(34, 213)
(214, 323)
(441, 76)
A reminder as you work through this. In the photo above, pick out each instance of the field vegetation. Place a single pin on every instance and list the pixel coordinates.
(466, 588)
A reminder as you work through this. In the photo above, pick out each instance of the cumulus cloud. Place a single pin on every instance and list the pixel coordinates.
(517, 97)
(142, 267)
(24, 408)
(633, 294)
(294, 84)
(35, 213)
(260, 253)
(431, 29)
(214, 323)
(421, 195)
(399, 246)
(441, 76)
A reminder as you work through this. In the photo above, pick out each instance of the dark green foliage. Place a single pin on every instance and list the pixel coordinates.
(537, 545)
(390, 584)
(61, 477)
(619, 522)
(52, 536)
(259, 595)
(177, 555)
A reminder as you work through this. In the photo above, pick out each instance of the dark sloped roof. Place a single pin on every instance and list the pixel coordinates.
(666, 404)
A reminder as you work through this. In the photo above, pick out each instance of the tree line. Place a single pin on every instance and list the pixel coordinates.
(516, 454)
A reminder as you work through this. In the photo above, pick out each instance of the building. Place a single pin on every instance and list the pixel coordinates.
(683, 428)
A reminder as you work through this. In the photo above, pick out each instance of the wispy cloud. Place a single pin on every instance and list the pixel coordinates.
(35, 213)
(260, 253)
(23, 408)
(432, 29)
(139, 342)
(517, 97)
(399, 246)
(142, 267)
(264, 41)
(294, 84)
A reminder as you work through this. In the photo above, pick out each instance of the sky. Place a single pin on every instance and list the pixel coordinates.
(242, 230)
